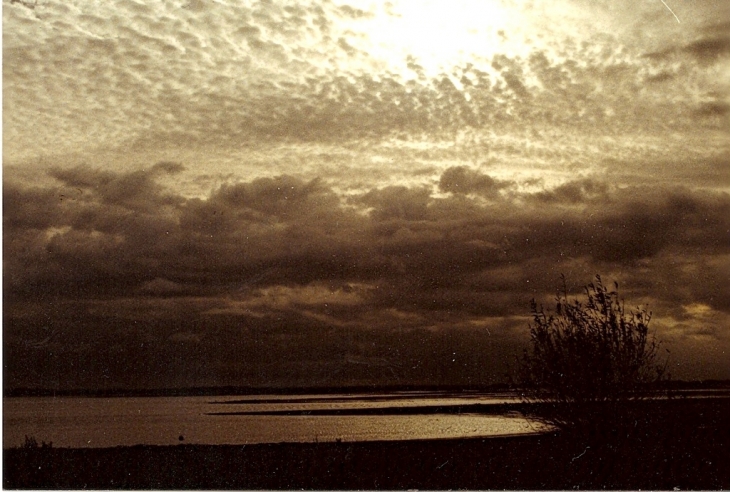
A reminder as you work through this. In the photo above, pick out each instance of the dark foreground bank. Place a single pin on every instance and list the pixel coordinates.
(685, 445)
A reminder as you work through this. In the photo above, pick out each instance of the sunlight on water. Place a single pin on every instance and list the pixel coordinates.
(105, 422)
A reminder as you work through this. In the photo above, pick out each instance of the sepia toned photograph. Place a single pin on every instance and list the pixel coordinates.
(366, 244)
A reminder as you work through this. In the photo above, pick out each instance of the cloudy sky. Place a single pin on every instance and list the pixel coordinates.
(202, 192)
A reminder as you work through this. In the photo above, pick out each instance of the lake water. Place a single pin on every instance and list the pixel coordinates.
(106, 422)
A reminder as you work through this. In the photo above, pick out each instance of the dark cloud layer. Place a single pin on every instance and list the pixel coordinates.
(282, 281)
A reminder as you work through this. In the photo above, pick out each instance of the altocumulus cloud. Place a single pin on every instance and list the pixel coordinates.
(242, 73)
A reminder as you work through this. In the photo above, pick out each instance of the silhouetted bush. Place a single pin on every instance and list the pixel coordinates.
(589, 362)
(31, 443)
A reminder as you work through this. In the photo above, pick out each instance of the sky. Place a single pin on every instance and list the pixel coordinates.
(351, 192)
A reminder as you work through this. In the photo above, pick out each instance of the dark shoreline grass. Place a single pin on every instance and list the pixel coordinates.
(683, 444)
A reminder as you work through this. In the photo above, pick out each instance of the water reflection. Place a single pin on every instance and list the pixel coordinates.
(105, 422)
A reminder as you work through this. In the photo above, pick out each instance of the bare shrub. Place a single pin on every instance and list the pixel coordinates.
(588, 361)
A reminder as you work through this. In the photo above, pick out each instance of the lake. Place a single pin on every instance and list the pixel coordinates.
(126, 421)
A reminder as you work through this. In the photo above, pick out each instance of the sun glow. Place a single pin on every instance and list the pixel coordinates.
(429, 37)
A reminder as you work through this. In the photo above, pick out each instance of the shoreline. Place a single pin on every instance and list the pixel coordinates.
(546, 461)
(685, 445)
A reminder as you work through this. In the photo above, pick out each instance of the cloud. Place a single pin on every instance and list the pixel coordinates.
(281, 196)
(277, 72)
(712, 44)
(661, 77)
(275, 263)
(285, 230)
(462, 180)
(162, 287)
(398, 202)
(715, 108)
(575, 192)
(708, 50)
(322, 155)
(137, 190)
(353, 12)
